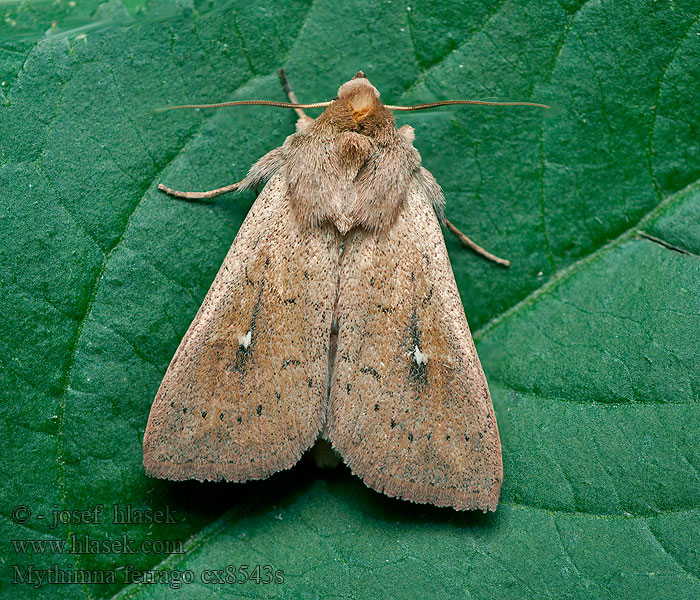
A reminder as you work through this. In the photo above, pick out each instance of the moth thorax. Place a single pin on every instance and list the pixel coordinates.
(354, 149)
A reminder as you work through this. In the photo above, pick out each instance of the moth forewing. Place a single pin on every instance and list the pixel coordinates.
(336, 312)
(410, 410)
(243, 396)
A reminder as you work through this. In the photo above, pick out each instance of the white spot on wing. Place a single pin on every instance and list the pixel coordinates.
(244, 340)
(419, 357)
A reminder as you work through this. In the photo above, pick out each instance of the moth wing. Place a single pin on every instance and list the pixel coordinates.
(245, 393)
(410, 410)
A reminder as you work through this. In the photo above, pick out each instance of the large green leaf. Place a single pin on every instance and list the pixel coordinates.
(589, 342)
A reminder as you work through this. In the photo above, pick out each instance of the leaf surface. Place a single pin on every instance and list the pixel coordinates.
(589, 341)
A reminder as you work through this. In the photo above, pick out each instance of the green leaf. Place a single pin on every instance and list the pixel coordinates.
(589, 341)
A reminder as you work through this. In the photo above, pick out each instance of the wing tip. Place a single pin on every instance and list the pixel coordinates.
(484, 498)
(212, 471)
(164, 449)
(197, 471)
(162, 465)
(420, 493)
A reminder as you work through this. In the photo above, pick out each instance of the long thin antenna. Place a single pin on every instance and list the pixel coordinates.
(249, 102)
(296, 106)
(480, 102)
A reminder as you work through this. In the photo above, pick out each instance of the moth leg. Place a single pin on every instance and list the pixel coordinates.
(260, 172)
(304, 120)
(475, 247)
(200, 195)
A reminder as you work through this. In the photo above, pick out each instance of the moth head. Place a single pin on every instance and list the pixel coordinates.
(360, 94)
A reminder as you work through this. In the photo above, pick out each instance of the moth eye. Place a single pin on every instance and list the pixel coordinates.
(334, 99)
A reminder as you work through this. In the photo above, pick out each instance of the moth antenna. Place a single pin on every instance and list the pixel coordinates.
(448, 102)
(475, 247)
(248, 102)
(200, 195)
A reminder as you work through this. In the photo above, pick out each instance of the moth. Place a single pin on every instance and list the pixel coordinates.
(335, 316)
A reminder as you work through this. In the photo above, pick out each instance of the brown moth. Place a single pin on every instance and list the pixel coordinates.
(335, 315)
